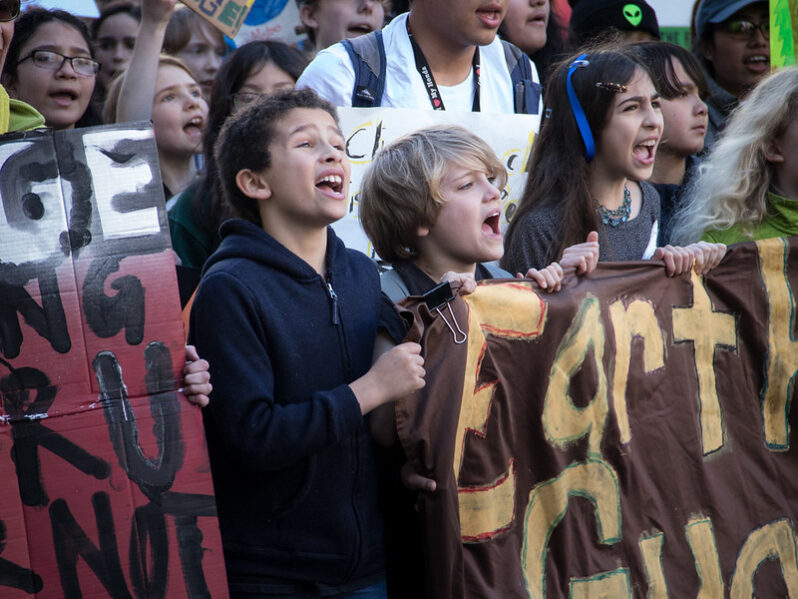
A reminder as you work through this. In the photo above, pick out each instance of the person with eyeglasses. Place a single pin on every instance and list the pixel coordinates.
(733, 43)
(50, 66)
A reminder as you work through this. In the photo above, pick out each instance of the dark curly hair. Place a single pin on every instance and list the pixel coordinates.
(245, 139)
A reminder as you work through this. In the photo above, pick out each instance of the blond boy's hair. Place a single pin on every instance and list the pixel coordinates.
(401, 191)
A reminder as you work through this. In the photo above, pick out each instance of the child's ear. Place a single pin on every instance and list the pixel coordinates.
(253, 185)
(773, 151)
(307, 15)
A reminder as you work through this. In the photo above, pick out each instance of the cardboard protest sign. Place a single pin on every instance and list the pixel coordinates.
(271, 20)
(673, 17)
(225, 15)
(630, 435)
(107, 483)
(366, 130)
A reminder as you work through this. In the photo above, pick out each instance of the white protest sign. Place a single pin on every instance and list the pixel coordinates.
(271, 20)
(366, 130)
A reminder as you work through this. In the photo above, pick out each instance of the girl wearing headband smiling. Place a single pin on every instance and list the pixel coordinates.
(588, 169)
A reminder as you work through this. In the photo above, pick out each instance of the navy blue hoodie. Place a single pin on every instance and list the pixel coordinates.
(292, 461)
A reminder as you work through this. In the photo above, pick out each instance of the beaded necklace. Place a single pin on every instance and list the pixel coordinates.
(618, 216)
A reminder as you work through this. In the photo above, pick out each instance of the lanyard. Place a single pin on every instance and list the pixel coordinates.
(422, 66)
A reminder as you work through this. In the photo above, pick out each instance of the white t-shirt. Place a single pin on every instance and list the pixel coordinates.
(332, 77)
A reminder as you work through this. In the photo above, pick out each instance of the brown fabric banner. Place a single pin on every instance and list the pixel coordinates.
(627, 436)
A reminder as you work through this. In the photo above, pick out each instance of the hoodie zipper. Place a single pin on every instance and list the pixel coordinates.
(356, 557)
(357, 550)
(334, 300)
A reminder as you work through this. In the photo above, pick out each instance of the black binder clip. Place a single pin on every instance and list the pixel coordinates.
(435, 299)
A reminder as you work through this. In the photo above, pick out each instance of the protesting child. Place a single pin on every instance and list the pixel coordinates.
(49, 65)
(430, 203)
(678, 76)
(288, 319)
(162, 89)
(254, 69)
(438, 56)
(589, 167)
(748, 187)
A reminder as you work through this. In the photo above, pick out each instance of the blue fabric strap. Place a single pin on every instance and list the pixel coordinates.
(576, 108)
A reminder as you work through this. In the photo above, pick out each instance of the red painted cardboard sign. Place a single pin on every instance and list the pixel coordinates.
(107, 488)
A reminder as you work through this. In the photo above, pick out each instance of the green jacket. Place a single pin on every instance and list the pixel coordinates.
(781, 221)
(190, 240)
(16, 115)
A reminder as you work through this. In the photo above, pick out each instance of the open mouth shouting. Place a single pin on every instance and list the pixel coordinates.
(331, 184)
(64, 97)
(645, 151)
(491, 226)
(758, 63)
(195, 126)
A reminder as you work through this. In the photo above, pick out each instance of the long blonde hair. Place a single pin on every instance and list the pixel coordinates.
(732, 185)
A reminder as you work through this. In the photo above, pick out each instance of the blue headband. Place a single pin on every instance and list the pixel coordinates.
(576, 108)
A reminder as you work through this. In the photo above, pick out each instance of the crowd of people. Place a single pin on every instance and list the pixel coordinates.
(643, 150)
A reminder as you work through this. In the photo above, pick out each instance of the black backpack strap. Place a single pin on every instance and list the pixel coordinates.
(526, 91)
(367, 53)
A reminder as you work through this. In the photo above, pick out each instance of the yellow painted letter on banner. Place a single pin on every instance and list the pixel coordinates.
(706, 328)
(782, 360)
(510, 311)
(594, 480)
(635, 320)
(607, 585)
(775, 540)
(651, 550)
(701, 538)
(562, 420)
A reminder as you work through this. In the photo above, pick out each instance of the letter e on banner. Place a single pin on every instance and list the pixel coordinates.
(515, 311)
